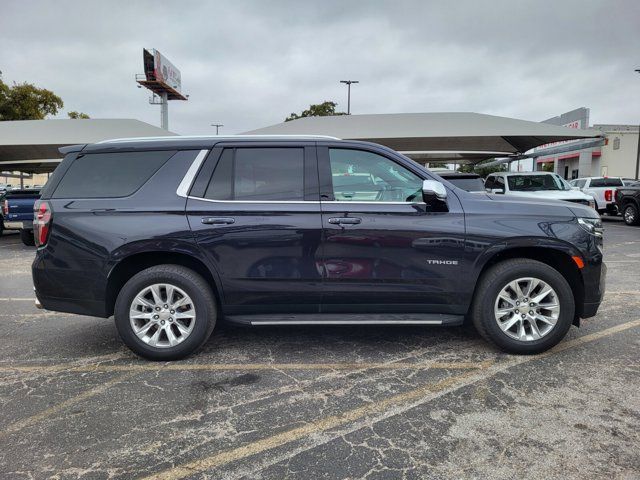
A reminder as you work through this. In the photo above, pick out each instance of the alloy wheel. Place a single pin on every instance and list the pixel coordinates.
(629, 215)
(162, 315)
(527, 309)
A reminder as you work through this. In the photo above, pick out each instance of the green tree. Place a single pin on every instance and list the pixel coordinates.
(483, 171)
(24, 101)
(77, 115)
(324, 109)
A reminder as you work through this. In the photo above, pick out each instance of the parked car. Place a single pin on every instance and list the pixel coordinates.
(628, 200)
(602, 189)
(172, 235)
(2, 227)
(547, 185)
(471, 182)
(17, 210)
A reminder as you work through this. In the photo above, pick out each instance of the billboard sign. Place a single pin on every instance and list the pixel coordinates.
(158, 68)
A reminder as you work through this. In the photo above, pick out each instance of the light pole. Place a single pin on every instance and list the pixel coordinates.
(348, 84)
(217, 125)
(638, 152)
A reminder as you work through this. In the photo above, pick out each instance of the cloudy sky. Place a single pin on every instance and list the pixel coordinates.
(248, 64)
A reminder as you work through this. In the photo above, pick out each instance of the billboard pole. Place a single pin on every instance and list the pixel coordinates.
(164, 110)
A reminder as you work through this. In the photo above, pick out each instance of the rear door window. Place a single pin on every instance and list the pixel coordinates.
(606, 182)
(258, 174)
(109, 175)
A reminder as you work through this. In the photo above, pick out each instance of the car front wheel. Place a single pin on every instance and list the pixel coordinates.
(165, 312)
(523, 306)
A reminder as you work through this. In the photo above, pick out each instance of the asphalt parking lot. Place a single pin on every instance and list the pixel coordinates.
(311, 403)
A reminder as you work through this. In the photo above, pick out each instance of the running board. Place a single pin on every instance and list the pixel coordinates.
(347, 319)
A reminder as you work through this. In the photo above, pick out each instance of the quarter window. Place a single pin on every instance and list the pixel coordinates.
(360, 176)
(110, 175)
(258, 174)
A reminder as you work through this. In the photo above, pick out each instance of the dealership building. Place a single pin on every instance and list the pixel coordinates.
(615, 154)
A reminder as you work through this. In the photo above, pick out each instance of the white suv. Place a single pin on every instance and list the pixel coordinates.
(535, 185)
(602, 189)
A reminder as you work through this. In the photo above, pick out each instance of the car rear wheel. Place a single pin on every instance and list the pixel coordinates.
(166, 312)
(523, 306)
(630, 214)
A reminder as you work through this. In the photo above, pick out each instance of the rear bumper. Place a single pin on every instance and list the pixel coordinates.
(64, 291)
(71, 305)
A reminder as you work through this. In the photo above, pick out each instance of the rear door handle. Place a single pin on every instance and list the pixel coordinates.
(218, 220)
(345, 220)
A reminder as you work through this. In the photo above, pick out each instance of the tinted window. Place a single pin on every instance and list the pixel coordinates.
(360, 176)
(258, 174)
(100, 175)
(606, 182)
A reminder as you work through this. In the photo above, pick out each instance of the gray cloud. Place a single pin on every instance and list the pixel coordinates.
(249, 64)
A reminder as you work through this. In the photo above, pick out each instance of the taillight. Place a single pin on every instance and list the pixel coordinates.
(41, 222)
(5, 208)
(608, 195)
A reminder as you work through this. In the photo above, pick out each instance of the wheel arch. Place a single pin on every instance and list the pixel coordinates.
(136, 262)
(558, 258)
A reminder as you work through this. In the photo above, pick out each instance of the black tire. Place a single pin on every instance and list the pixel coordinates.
(193, 285)
(27, 237)
(490, 285)
(630, 214)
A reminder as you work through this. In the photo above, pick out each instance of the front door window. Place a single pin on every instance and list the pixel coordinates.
(360, 176)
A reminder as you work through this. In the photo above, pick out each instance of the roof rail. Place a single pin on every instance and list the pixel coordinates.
(211, 137)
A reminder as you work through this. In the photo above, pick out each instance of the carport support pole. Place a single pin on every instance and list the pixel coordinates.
(638, 156)
(164, 111)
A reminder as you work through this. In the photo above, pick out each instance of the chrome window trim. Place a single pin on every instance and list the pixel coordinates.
(189, 177)
(303, 201)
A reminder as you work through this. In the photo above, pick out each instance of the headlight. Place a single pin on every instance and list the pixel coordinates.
(591, 225)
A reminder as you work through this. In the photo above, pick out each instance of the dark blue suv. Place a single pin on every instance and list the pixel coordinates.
(171, 235)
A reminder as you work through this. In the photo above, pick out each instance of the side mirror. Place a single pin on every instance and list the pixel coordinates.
(434, 190)
(575, 188)
(496, 190)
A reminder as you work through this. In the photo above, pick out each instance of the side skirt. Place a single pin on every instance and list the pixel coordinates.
(347, 319)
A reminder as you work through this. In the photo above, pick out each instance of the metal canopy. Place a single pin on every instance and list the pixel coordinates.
(458, 136)
(31, 146)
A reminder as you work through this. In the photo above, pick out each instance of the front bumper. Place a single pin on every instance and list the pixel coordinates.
(595, 285)
(13, 225)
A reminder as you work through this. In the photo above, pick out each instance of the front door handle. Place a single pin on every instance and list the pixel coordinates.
(345, 220)
(218, 220)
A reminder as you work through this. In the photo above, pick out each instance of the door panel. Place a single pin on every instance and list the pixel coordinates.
(265, 251)
(265, 256)
(388, 255)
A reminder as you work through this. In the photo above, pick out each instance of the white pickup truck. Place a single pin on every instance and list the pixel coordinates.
(602, 189)
(547, 185)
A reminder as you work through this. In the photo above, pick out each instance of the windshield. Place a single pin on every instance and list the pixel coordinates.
(531, 183)
(469, 184)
